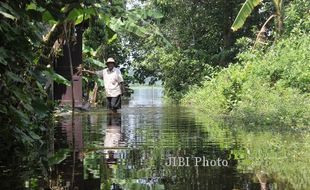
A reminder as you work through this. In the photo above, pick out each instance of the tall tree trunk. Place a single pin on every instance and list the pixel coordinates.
(279, 20)
(227, 33)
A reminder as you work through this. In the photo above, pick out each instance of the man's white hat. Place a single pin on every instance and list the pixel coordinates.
(110, 60)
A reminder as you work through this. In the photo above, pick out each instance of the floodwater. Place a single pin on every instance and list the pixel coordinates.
(153, 146)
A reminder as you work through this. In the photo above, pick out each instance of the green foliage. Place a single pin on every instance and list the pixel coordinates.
(49, 73)
(176, 71)
(78, 15)
(24, 104)
(244, 13)
(58, 157)
(26, 76)
(265, 88)
(200, 37)
(297, 17)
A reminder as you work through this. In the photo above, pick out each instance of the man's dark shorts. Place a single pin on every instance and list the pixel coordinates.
(114, 103)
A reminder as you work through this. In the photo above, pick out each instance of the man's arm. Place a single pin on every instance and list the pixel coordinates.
(88, 71)
(81, 70)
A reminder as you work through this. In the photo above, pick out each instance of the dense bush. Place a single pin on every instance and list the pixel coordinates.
(268, 87)
(24, 106)
(176, 71)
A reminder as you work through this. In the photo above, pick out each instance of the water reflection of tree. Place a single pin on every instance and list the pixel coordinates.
(93, 168)
(138, 160)
(273, 158)
(176, 134)
(69, 158)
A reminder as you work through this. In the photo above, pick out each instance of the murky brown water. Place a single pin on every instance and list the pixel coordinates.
(149, 145)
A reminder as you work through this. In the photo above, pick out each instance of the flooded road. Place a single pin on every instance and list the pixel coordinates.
(149, 145)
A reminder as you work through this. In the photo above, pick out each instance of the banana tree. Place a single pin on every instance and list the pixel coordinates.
(248, 8)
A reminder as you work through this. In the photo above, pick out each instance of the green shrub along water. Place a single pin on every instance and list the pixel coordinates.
(267, 87)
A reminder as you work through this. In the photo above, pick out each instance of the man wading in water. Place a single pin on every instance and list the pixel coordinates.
(113, 84)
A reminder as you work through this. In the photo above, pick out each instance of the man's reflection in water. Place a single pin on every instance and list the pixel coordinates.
(112, 141)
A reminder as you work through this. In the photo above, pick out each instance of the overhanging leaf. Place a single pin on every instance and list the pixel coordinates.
(112, 39)
(8, 11)
(95, 62)
(79, 15)
(7, 15)
(3, 109)
(48, 17)
(40, 108)
(115, 24)
(33, 6)
(79, 19)
(14, 77)
(155, 14)
(58, 157)
(21, 117)
(34, 136)
(56, 77)
(130, 26)
(23, 136)
(244, 13)
(3, 56)
(74, 13)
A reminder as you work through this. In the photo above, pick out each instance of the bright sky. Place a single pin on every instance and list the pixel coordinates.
(134, 3)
